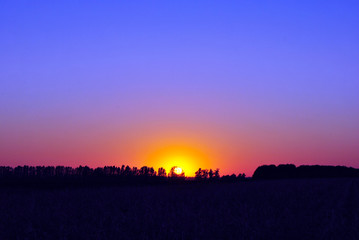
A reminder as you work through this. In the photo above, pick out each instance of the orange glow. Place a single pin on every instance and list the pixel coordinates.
(189, 158)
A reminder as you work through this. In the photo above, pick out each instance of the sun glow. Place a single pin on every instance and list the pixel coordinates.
(190, 159)
(178, 170)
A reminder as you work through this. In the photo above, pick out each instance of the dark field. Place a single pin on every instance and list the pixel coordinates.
(278, 209)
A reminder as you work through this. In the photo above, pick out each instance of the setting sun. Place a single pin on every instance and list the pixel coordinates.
(178, 170)
(189, 158)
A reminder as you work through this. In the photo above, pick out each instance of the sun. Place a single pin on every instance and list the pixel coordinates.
(178, 170)
(188, 158)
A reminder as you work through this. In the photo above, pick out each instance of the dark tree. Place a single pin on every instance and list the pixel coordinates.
(136, 171)
(210, 174)
(304, 171)
(144, 171)
(241, 176)
(60, 171)
(204, 173)
(198, 174)
(162, 172)
(152, 172)
(216, 174)
(127, 172)
(173, 173)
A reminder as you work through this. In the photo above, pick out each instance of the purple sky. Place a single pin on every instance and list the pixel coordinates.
(245, 84)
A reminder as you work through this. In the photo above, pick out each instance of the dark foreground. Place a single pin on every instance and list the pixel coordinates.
(278, 209)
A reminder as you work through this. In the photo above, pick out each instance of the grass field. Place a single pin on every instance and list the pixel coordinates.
(278, 209)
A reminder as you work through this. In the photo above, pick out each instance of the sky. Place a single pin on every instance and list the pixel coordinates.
(211, 84)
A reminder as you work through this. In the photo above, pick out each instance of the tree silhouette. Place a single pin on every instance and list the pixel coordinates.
(241, 176)
(144, 171)
(173, 174)
(198, 174)
(202, 174)
(216, 174)
(49, 176)
(210, 174)
(314, 171)
(161, 172)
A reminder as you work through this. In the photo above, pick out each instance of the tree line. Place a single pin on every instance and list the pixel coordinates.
(287, 171)
(81, 171)
(60, 171)
(108, 175)
(205, 174)
(84, 175)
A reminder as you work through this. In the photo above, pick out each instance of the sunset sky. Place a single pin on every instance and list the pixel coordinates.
(211, 84)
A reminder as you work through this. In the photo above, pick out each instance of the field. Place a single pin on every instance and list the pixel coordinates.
(278, 209)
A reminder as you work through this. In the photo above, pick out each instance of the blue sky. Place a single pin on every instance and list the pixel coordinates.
(242, 69)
